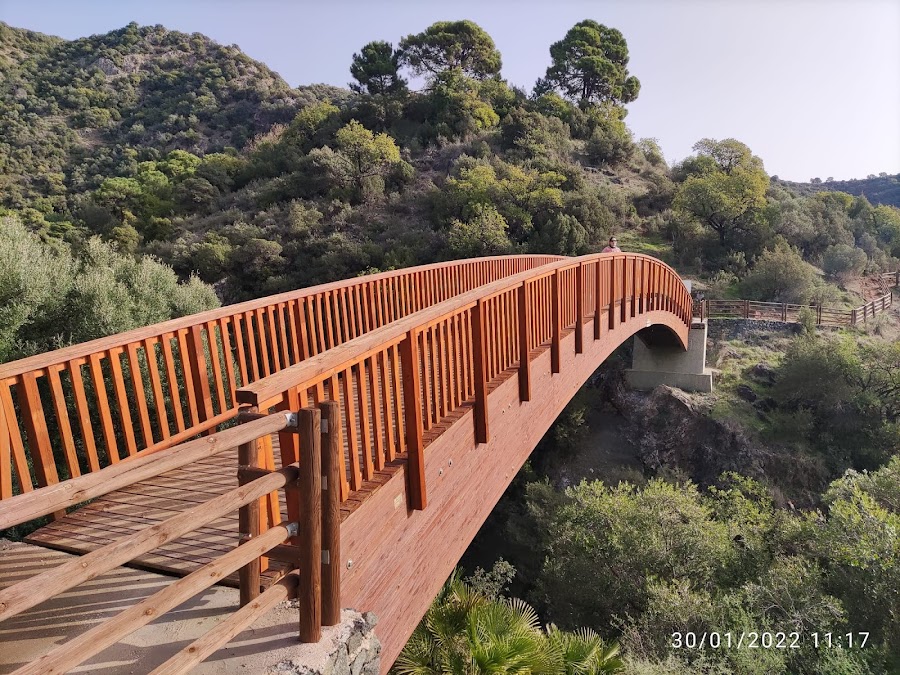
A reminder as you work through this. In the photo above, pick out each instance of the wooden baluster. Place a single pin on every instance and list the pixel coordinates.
(332, 452)
(109, 434)
(17, 448)
(412, 404)
(446, 370)
(389, 415)
(122, 400)
(452, 363)
(62, 419)
(84, 415)
(365, 429)
(239, 347)
(229, 363)
(612, 293)
(215, 361)
(172, 380)
(292, 327)
(482, 433)
(6, 461)
(377, 423)
(465, 332)
(398, 396)
(262, 341)
(309, 590)
(352, 438)
(36, 430)
(137, 384)
(427, 380)
(282, 326)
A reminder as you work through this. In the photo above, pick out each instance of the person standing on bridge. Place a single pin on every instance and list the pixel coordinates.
(613, 246)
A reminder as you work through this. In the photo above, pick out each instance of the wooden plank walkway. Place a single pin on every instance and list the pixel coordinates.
(120, 513)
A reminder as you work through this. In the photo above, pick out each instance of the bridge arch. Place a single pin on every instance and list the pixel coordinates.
(440, 404)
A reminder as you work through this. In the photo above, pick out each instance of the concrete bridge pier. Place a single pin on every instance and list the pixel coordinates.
(658, 360)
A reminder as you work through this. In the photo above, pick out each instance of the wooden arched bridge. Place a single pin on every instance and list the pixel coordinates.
(342, 443)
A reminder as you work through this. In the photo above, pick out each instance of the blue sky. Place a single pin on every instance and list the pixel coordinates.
(813, 87)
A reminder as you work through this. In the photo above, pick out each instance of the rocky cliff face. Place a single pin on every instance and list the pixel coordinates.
(669, 429)
(672, 432)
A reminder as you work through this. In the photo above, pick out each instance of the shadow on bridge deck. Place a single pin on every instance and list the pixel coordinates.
(25, 637)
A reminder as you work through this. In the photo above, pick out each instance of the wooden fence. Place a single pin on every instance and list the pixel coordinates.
(383, 395)
(791, 313)
(75, 410)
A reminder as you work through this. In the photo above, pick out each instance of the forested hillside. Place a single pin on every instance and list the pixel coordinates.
(147, 173)
(880, 189)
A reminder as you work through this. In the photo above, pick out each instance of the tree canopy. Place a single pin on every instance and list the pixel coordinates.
(590, 64)
(376, 70)
(725, 188)
(451, 45)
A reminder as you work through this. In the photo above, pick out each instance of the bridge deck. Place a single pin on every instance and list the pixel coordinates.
(123, 512)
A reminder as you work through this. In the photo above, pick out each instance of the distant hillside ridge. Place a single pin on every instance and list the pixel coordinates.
(74, 111)
(881, 189)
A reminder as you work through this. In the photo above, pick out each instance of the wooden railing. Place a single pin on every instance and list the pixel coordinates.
(75, 410)
(301, 482)
(399, 385)
(792, 313)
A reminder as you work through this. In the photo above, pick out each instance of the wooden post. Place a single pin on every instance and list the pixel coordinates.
(524, 347)
(309, 591)
(332, 450)
(248, 519)
(482, 432)
(412, 404)
(612, 292)
(579, 308)
(852, 317)
(556, 321)
(819, 314)
(746, 309)
(784, 312)
(598, 301)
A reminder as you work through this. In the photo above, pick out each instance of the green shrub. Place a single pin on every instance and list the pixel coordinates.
(781, 275)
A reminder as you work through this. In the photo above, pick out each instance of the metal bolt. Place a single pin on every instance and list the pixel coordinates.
(349, 564)
(450, 462)
(440, 472)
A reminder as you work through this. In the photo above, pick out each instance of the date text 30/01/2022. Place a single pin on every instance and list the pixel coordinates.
(767, 640)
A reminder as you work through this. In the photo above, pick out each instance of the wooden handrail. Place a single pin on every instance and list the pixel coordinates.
(78, 409)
